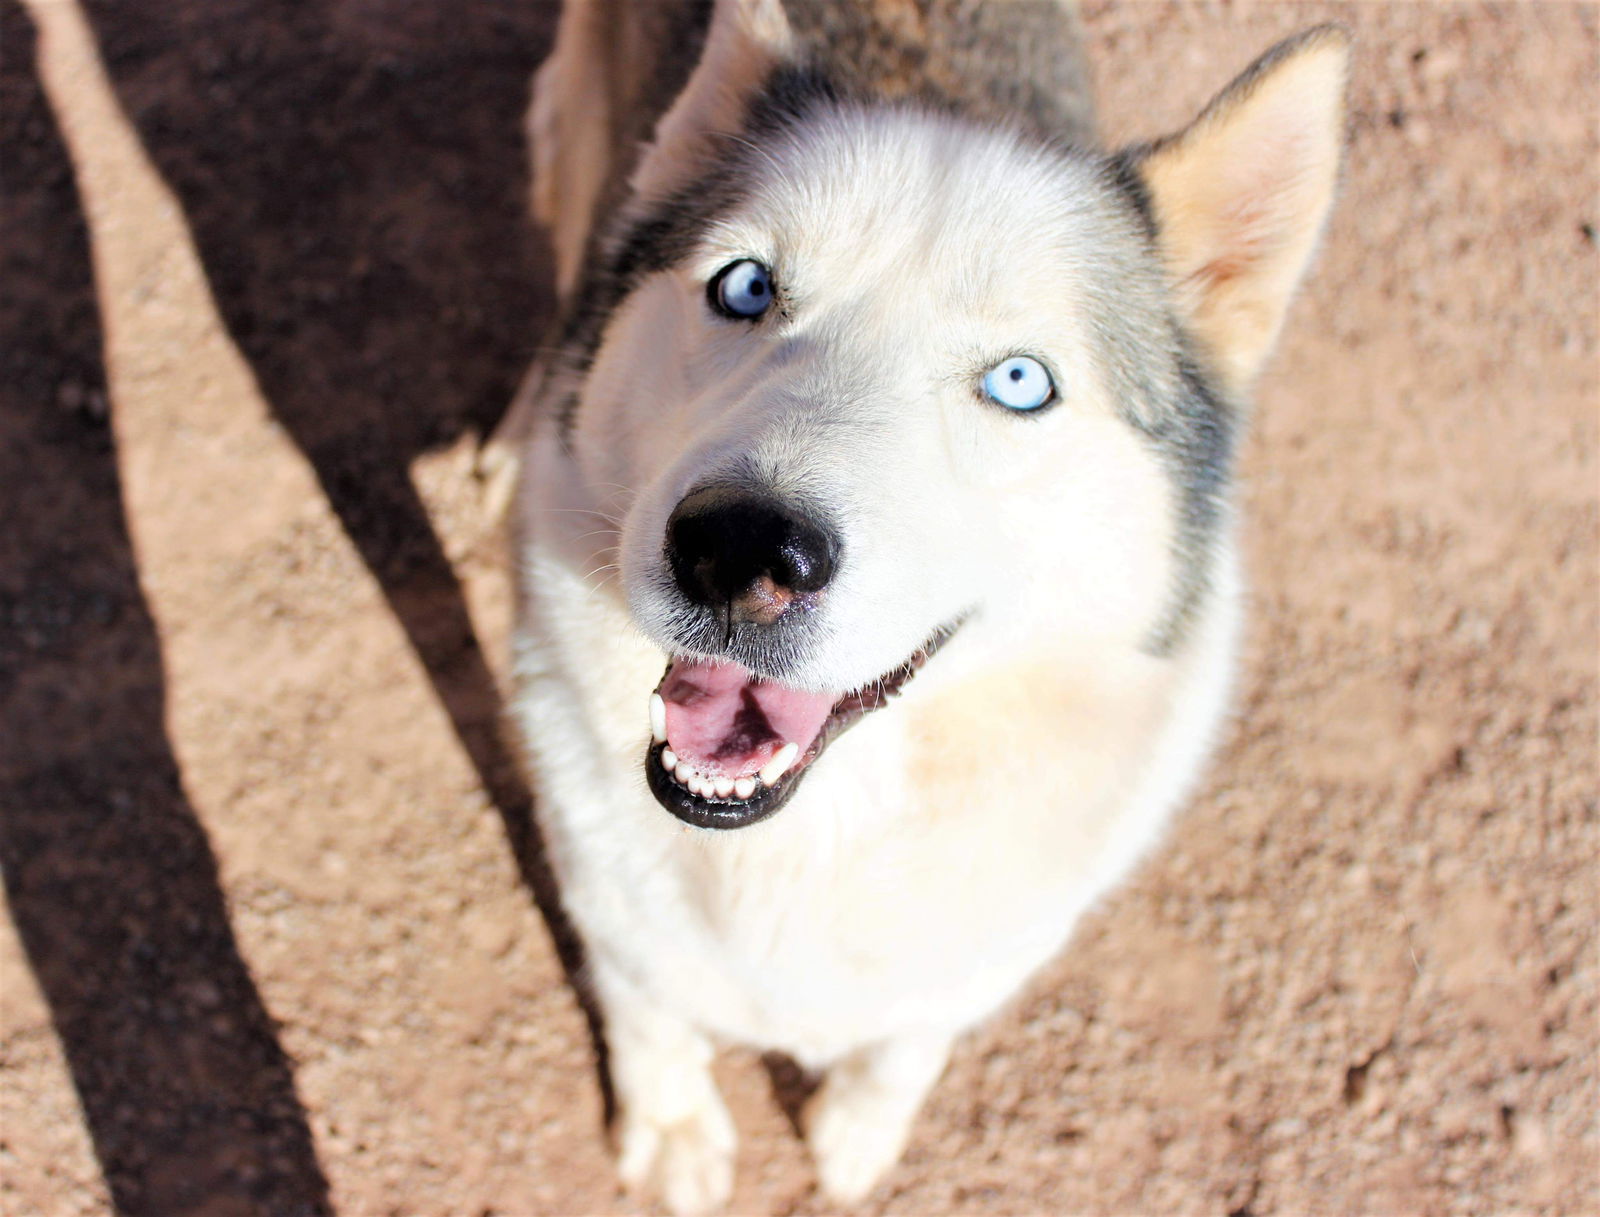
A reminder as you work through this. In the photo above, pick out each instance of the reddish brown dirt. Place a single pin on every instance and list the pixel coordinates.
(272, 946)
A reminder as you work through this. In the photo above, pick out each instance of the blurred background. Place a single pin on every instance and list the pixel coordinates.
(274, 941)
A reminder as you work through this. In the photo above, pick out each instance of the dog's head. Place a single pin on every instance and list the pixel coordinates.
(872, 377)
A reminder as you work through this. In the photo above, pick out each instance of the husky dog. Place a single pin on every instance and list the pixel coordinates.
(878, 596)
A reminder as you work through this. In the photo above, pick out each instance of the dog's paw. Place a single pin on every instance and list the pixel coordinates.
(857, 1130)
(688, 1164)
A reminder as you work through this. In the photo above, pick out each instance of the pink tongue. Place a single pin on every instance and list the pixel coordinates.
(727, 723)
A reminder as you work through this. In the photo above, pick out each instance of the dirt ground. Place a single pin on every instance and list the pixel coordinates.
(274, 941)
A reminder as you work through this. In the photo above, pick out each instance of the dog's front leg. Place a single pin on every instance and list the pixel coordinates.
(859, 1121)
(675, 1139)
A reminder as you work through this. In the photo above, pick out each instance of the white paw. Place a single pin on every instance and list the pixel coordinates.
(857, 1131)
(688, 1164)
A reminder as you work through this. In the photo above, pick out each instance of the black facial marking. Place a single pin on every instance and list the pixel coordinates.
(1195, 434)
(655, 242)
(1160, 378)
(1122, 171)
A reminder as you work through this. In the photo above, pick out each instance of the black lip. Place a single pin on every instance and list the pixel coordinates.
(850, 709)
(716, 813)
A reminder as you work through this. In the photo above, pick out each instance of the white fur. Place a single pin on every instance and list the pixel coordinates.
(941, 850)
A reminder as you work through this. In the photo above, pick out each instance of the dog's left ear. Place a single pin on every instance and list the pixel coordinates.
(744, 42)
(1240, 196)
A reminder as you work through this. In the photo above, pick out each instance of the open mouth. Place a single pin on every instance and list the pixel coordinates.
(729, 748)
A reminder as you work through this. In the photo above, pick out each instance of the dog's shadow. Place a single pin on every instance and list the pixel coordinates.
(353, 178)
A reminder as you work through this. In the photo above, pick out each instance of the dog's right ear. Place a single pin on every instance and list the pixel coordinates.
(1241, 195)
(746, 40)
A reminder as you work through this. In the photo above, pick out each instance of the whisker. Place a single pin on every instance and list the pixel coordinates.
(604, 583)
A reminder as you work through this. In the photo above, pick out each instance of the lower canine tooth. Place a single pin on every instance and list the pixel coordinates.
(744, 788)
(658, 718)
(779, 764)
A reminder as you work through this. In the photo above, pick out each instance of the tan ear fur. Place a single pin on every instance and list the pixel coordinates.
(568, 124)
(1241, 195)
(746, 40)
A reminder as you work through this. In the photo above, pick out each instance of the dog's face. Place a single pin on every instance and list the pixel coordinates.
(882, 379)
(900, 270)
(871, 403)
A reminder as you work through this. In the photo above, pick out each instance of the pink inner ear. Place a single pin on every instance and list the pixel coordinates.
(727, 723)
(1270, 187)
(1241, 197)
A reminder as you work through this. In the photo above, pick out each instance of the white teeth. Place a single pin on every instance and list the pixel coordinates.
(658, 718)
(779, 764)
(712, 786)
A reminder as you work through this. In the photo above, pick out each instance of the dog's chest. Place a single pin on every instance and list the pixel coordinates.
(846, 917)
(935, 857)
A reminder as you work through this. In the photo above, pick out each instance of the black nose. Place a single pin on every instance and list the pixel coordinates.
(744, 551)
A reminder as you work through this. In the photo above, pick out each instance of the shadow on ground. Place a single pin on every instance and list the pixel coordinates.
(373, 262)
(109, 876)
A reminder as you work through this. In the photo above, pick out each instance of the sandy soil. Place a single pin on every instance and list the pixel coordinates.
(274, 941)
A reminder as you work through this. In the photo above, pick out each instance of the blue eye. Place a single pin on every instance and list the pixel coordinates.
(741, 290)
(1020, 383)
